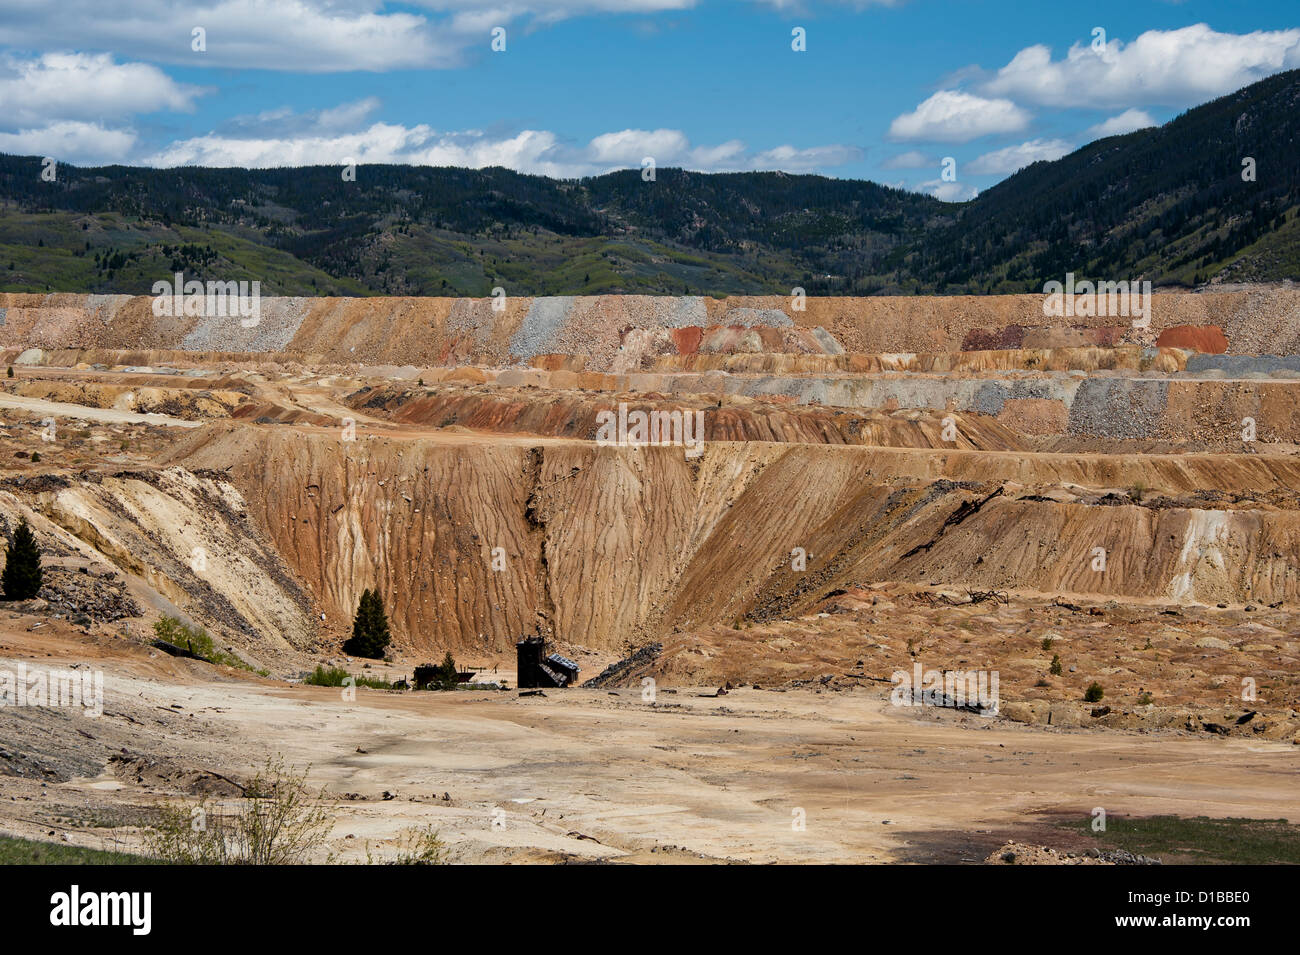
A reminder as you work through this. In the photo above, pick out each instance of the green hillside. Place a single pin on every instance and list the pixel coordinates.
(1167, 204)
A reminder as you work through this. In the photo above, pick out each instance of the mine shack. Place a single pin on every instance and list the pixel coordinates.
(537, 671)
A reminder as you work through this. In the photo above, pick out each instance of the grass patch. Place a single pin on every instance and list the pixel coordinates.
(335, 676)
(1200, 839)
(197, 641)
(15, 851)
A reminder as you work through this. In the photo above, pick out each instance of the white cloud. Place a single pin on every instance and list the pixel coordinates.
(378, 143)
(947, 191)
(316, 140)
(1002, 162)
(954, 116)
(1174, 68)
(629, 146)
(309, 36)
(82, 86)
(71, 141)
(1126, 122)
(910, 160)
(716, 157)
(285, 123)
(790, 159)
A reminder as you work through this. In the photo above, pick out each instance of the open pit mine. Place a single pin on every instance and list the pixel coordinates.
(804, 503)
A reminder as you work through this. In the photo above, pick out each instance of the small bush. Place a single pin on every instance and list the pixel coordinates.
(1094, 693)
(197, 641)
(1055, 668)
(1145, 699)
(1047, 643)
(337, 676)
(36, 457)
(334, 676)
(277, 822)
(420, 846)
(444, 676)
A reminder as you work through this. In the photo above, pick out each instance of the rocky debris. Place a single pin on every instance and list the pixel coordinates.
(77, 594)
(1018, 853)
(621, 672)
(1280, 725)
(167, 774)
(34, 605)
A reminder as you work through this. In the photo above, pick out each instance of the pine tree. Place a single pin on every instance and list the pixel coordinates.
(22, 574)
(370, 635)
(447, 676)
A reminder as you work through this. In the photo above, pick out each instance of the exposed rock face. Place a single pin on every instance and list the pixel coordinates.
(577, 415)
(1201, 338)
(604, 545)
(171, 540)
(434, 331)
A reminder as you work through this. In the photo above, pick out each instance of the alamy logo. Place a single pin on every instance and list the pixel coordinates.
(72, 908)
(676, 427)
(954, 689)
(242, 300)
(1101, 299)
(83, 689)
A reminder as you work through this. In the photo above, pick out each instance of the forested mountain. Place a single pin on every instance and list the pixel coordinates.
(1169, 204)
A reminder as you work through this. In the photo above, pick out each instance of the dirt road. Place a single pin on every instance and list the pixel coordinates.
(61, 409)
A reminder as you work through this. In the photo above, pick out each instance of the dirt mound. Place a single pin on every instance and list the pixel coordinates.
(1200, 338)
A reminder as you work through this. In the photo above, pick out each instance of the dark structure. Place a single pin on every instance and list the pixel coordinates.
(565, 667)
(430, 676)
(537, 671)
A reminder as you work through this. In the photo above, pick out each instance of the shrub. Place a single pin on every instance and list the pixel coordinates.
(22, 574)
(1145, 699)
(337, 676)
(277, 822)
(417, 846)
(1094, 693)
(197, 641)
(334, 676)
(442, 677)
(370, 635)
(1047, 643)
(36, 457)
(11, 371)
(1055, 668)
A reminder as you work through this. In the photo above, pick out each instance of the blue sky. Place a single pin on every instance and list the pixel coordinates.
(884, 90)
